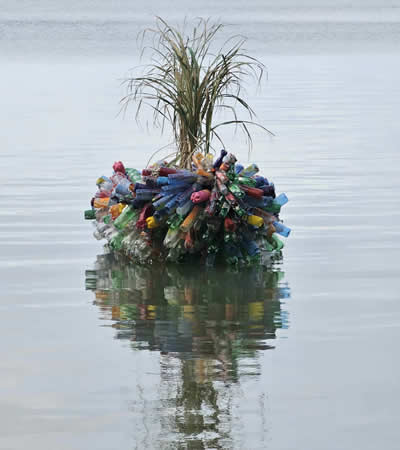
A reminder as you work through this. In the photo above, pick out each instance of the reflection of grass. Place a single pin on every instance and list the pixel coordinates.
(186, 83)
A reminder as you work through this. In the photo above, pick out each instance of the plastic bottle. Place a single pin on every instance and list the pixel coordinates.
(262, 202)
(228, 162)
(267, 216)
(127, 215)
(160, 214)
(255, 221)
(221, 176)
(116, 210)
(238, 168)
(261, 181)
(160, 203)
(269, 190)
(139, 185)
(251, 182)
(225, 207)
(182, 197)
(185, 208)
(152, 222)
(184, 175)
(235, 189)
(250, 171)
(282, 229)
(281, 199)
(117, 177)
(144, 214)
(137, 203)
(218, 161)
(252, 191)
(118, 167)
(101, 203)
(231, 199)
(123, 187)
(212, 206)
(171, 205)
(190, 218)
(222, 188)
(172, 238)
(162, 171)
(160, 181)
(90, 214)
(175, 187)
(100, 229)
(277, 243)
(133, 174)
(200, 196)
(208, 162)
(116, 241)
(175, 221)
(104, 185)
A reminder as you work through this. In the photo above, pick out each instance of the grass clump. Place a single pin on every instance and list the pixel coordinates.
(187, 82)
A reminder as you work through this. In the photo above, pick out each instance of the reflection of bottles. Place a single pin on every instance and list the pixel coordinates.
(209, 325)
(190, 304)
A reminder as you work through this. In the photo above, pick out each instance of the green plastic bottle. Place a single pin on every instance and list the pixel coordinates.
(175, 221)
(251, 182)
(90, 214)
(116, 241)
(235, 189)
(133, 174)
(129, 214)
(277, 243)
(224, 209)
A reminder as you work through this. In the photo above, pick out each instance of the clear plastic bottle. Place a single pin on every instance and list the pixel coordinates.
(185, 208)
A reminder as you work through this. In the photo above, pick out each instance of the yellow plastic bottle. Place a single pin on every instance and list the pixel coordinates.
(256, 221)
(151, 222)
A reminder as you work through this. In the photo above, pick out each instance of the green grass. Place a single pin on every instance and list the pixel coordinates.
(187, 82)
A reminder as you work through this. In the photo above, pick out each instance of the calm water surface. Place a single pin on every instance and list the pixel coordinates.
(301, 355)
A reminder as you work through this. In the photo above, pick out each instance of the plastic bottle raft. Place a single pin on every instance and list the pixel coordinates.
(218, 211)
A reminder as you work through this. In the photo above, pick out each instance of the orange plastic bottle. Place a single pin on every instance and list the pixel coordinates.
(190, 218)
(116, 210)
(101, 203)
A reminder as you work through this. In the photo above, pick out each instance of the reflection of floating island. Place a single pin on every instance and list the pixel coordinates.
(191, 312)
(216, 211)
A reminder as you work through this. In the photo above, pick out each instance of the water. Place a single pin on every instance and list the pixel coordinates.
(83, 369)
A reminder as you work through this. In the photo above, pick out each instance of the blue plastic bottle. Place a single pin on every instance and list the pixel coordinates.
(281, 229)
(162, 201)
(281, 199)
(238, 168)
(218, 161)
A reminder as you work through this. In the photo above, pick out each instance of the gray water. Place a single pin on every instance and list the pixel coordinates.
(299, 356)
